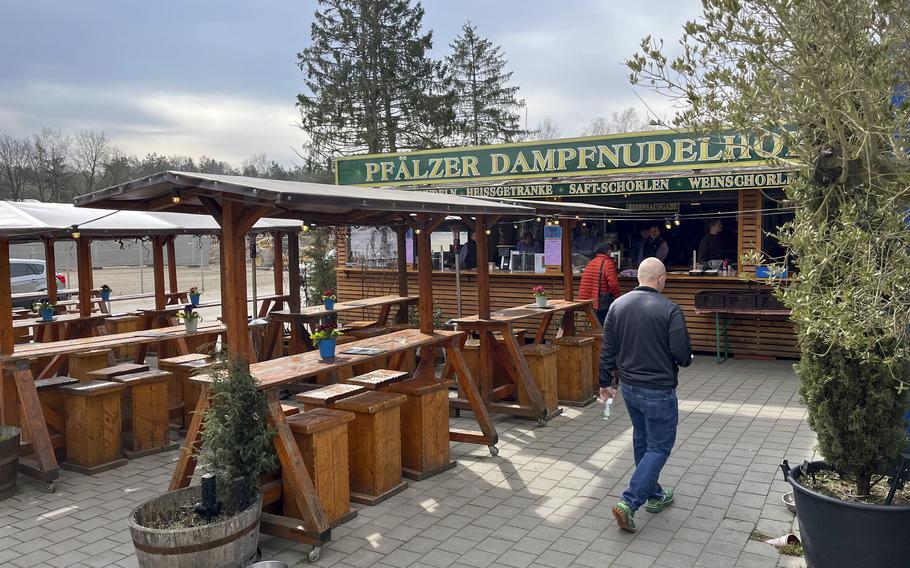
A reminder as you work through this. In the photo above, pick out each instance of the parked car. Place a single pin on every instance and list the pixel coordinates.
(30, 275)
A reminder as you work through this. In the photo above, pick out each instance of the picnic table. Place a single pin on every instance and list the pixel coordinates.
(18, 385)
(508, 354)
(271, 375)
(722, 319)
(300, 340)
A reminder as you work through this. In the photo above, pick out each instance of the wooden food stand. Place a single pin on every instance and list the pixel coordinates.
(237, 203)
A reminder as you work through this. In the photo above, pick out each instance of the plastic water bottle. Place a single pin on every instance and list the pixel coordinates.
(608, 407)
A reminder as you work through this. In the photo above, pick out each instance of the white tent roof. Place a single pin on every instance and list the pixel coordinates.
(29, 220)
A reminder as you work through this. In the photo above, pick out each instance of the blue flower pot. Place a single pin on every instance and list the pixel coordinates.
(47, 314)
(329, 304)
(106, 295)
(327, 348)
(194, 299)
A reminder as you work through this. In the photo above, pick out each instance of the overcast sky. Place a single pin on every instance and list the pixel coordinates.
(219, 77)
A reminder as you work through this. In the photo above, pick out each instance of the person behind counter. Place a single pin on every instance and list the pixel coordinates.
(584, 241)
(528, 243)
(711, 247)
(467, 256)
(654, 246)
(637, 256)
(599, 282)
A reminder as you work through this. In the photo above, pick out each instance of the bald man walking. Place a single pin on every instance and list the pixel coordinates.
(646, 340)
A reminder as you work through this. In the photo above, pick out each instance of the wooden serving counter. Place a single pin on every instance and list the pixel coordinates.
(757, 336)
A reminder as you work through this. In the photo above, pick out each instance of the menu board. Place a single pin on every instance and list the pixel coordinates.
(552, 245)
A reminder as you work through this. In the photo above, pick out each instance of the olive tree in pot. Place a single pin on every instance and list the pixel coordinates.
(215, 525)
(830, 80)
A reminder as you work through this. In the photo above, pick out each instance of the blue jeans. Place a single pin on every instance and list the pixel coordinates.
(654, 414)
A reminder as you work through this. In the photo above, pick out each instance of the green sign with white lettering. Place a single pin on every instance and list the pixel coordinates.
(745, 180)
(589, 156)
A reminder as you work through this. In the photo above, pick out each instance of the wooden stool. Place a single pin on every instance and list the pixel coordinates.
(108, 373)
(424, 426)
(322, 436)
(573, 375)
(124, 324)
(175, 387)
(92, 426)
(52, 405)
(374, 445)
(145, 413)
(80, 364)
(326, 397)
(378, 379)
(598, 337)
(542, 360)
(191, 389)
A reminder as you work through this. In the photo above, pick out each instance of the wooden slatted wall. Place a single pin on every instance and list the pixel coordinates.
(750, 231)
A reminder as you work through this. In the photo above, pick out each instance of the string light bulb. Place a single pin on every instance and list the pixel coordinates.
(175, 197)
(676, 220)
(487, 232)
(416, 231)
(667, 223)
(305, 228)
(74, 231)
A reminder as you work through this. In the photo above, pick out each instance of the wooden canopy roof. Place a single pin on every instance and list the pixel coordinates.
(187, 192)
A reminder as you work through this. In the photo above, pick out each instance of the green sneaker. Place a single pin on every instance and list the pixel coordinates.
(624, 516)
(658, 505)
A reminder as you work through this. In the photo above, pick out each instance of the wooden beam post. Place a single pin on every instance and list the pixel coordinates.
(7, 340)
(401, 236)
(483, 267)
(158, 271)
(236, 223)
(50, 261)
(296, 340)
(278, 261)
(84, 272)
(172, 267)
(425, 273)
(568, 284)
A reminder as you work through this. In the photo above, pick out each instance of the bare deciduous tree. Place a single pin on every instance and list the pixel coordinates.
(14, 164)
(626, 120)
(90, 152)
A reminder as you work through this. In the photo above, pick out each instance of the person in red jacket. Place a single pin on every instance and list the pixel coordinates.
(600, 281)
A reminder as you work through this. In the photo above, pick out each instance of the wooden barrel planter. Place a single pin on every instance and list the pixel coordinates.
(226, 544)
(9, 460)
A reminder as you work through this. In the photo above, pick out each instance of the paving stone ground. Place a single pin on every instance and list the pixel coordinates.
(544, 501)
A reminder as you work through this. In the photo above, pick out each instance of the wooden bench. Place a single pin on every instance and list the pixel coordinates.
(575, 382)
(145, 412)
(322, 436)
(93, 426)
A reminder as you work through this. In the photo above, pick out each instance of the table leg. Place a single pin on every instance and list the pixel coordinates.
(726, 338)
(524, 374)
(488, 434)
(591, 315)
(186, 463)
(293, 469)
(33, 424)
(567, 326)
(383, 315)
(543, 327)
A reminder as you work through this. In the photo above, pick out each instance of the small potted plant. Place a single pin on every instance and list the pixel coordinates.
(105, 293)
(328, 299)
(326, 337)
(215, 524)
(190, 317)
(45, 308)
(540, 294)
(194, 294)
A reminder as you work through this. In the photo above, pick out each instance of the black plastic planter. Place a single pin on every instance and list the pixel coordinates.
(839, 534)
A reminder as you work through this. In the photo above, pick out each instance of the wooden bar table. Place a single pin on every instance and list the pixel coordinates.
(64, 326)
(19, 387)
(509, 357)
(313, 314)
(272, 375)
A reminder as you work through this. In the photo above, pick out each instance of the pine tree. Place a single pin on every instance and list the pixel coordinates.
(371, 86)
(485, 104)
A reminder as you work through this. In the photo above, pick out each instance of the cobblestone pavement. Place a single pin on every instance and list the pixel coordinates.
(544, 501)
